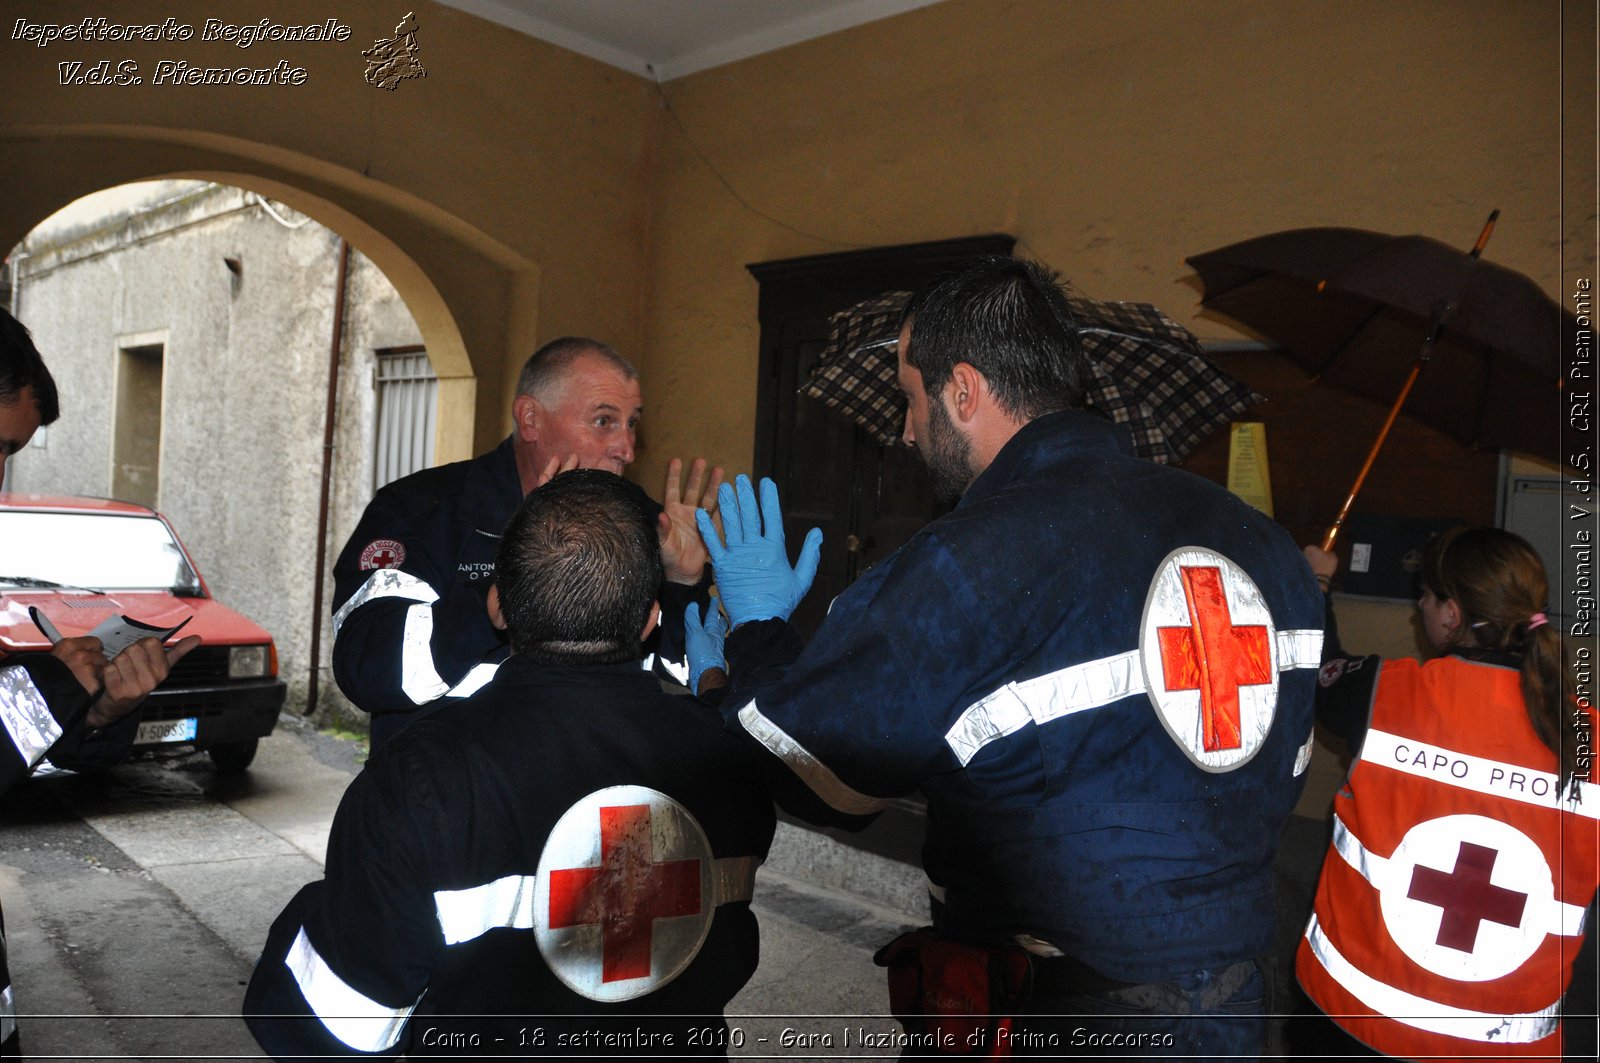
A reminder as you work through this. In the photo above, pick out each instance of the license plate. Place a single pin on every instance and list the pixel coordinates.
(154, 731)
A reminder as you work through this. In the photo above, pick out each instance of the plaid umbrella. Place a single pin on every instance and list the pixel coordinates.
(1146, 372)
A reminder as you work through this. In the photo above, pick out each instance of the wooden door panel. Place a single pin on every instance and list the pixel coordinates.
(830, 473)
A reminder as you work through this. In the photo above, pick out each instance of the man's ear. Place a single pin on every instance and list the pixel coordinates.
(962, 391)
(496, 617)
(652, 621)
(526, 413)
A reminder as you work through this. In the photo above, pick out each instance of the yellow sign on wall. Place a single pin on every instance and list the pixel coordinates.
(1247, 464)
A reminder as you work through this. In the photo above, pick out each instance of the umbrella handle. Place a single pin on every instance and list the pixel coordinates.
(1331, 536)
(1483, 237)
(1332, 533)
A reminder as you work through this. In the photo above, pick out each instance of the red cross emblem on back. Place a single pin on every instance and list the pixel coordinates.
(1467, 896)
(1214, 656)
(1210, 656)
(1471, 897)
(626, 894)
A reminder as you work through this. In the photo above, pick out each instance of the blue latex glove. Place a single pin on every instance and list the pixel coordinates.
(752, 571)
(702, 643)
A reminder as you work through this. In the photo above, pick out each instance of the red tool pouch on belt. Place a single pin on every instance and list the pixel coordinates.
(953, 997)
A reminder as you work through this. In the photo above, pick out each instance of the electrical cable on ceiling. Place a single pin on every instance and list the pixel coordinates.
(734, 192)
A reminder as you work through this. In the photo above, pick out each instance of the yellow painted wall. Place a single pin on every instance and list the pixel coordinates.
(505, 194)
(520, 191)
(1112, 138)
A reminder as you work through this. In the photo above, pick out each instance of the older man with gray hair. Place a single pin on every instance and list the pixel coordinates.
(410, 629)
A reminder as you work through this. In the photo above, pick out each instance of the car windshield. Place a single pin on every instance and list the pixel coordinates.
(93, 551)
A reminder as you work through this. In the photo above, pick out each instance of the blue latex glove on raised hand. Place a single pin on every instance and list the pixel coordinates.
(702, 643)
(752, 571)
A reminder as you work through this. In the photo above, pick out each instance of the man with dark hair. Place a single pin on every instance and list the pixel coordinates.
(27, 390)
(582, 576)
(410, 628)
(561, 863)
(56, 705)
(1098, 670)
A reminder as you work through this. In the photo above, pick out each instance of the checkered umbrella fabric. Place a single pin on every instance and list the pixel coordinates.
(1146, 372)
(856, 371)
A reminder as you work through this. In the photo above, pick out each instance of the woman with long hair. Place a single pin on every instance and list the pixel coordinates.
(1452, 899)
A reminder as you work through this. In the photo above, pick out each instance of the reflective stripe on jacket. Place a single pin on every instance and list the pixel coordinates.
(1451, 903)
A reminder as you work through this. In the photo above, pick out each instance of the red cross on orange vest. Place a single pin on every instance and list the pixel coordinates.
(626, 894)
(1467, 896)
(1213, 656)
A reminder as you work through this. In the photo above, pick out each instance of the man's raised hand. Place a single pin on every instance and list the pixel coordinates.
(683, 553)
(754, 578)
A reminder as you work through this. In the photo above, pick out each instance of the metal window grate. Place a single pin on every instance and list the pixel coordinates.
(407, 399)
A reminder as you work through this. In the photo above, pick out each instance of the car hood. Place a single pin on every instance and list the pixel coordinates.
(77, 614)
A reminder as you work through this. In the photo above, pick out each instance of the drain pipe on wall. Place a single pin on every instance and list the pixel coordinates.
(337, 345)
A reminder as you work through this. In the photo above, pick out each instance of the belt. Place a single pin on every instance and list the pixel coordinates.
(1059, 976)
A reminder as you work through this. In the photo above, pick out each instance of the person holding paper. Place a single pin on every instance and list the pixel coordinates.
(58, 703)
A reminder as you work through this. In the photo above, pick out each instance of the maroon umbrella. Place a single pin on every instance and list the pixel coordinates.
(1367, 311)
(1145, 371)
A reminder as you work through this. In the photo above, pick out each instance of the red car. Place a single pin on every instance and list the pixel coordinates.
(80, 561)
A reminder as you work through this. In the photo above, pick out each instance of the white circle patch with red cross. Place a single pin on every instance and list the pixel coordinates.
(1210, 656)
(382, 553)
(623, 897)
(1466, 897)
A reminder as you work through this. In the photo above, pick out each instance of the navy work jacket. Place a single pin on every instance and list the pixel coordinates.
(1100, 672)
(411, 623)
(561, 864)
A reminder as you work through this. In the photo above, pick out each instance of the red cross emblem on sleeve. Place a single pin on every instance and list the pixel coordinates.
(623, 899)
(1207, 644)
(382, 553)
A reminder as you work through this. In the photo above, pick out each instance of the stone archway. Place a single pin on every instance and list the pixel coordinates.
(473, 297)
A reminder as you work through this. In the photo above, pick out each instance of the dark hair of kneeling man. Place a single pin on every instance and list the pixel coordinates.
(578, 569)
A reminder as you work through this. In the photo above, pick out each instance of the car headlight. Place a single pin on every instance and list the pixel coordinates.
(247, 662)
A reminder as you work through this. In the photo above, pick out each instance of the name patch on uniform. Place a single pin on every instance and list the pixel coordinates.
(382, 553)
(1209, 649)
(624, 895)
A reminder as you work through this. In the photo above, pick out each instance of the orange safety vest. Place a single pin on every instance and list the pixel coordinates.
(1451, 903)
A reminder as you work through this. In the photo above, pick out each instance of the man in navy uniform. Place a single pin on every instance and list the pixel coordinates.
(561, 863)
(1098, 670)
(410, 628)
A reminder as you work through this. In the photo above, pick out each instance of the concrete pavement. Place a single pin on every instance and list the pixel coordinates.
(136, 903)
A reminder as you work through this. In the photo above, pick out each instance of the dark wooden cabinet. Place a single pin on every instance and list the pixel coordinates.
(867, 498)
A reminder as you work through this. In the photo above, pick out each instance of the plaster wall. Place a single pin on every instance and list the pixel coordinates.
(244, 386)
(519, 192)
(1111, 139)
(504, 194)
